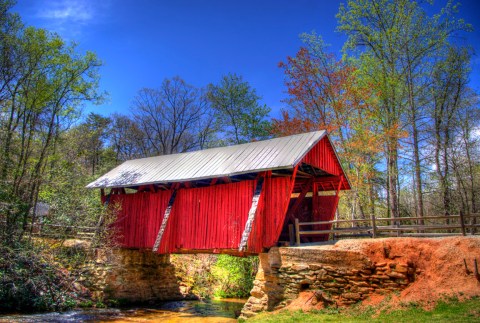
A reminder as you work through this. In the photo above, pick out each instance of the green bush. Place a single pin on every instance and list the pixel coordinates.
(194, 271)
(234, 276)
(216, 275)
(29, 282)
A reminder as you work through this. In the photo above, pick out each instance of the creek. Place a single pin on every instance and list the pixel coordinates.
(224, 310)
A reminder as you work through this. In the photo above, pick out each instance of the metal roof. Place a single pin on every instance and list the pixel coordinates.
(278, 153)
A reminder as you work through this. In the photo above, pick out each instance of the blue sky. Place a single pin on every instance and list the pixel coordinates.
(143, 42)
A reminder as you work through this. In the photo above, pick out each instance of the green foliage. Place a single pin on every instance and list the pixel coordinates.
(70, 204)
(238, 114)
(234, 276)
(195, 272)
(31, 282)
(216, 276)
(69, 171)
(70, 258)
(12, 211)
(87, 142)
(45, 82)
(86, 304)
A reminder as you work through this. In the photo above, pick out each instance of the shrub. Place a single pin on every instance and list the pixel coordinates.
(29, 282)
(234, 276)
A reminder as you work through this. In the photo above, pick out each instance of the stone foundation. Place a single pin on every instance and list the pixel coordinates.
(133, 276)
(340, 277)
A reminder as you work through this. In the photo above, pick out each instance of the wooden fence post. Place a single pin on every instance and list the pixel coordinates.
(398, 227)
(297, 232)
(462, 223)
(477, 275)
(291, 234)
(374, 226)
(473, 222)
(335, 227)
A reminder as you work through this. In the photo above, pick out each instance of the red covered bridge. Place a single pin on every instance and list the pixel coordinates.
(236, 199)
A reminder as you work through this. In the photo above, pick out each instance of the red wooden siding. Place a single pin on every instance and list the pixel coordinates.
(277, 197)
(208, 218)
(324, 208)
(214, 217)
(270, 213)
(254, 243)
(323, 156)
(139, 217)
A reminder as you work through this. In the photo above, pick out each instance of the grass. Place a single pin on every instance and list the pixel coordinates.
(445, 311)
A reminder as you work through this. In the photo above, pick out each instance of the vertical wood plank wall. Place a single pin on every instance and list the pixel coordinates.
(206, 218)
(214, 217)
(323, 209)
(139, 217)
(322, 156)
(210, 217)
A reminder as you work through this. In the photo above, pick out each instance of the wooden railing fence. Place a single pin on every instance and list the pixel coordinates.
(59, 231)
(63, 231)
(389, 227)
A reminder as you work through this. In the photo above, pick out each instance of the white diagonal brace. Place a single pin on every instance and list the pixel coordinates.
(251, 215)
(164, 222)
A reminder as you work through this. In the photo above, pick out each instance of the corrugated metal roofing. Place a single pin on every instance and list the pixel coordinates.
(278, 153)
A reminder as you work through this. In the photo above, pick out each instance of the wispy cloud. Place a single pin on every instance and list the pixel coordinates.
(72, 10)
(70, 17)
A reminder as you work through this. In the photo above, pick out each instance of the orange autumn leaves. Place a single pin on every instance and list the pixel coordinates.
(316, 86)
(326, 93)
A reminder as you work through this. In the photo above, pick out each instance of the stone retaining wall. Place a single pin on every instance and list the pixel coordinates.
(340, 277)
(132, 276)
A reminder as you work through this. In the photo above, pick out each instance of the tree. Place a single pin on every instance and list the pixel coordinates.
(325, 93)
(43, 83)
(394, 39)
(239, 116)
(174, 118)
(316, 83)
(449, 92)
(127, 140)
(90, 140)
(466, 153)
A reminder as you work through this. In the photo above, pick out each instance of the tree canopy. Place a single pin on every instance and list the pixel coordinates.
(239, 116)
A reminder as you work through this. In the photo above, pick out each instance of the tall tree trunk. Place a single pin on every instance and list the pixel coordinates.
(392, 177)
(416, 151)
(446, 182)
(471, 194)
(371, 197)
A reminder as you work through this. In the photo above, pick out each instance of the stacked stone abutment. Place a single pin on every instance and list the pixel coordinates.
(341, 277)
(132, 276)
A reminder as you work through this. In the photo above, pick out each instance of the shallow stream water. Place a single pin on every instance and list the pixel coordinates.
(225, 310)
